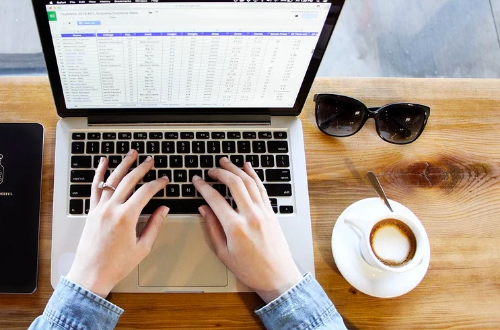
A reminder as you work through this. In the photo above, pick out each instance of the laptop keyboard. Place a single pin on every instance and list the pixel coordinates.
(181, 155)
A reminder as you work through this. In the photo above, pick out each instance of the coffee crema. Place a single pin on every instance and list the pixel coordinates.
(393, 242)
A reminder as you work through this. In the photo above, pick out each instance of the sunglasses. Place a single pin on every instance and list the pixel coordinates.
(399, 123)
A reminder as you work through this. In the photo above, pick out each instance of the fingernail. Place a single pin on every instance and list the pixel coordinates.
(196, 178)
(202, 211)
(165, 211)
(130, 152)
(165, 178)
(148, 159)
(249, 165)
(225, 160)
(102, 160)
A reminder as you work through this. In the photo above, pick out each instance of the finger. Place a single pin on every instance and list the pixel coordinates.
(116, 177)
(215, 231)
(141, 197)
(249, 183)
(235, 184)
(262, 189)
(218, 203)
(127, 185)
(95, 196)
(150, 232)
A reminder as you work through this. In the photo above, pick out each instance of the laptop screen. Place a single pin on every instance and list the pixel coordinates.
(121, 54)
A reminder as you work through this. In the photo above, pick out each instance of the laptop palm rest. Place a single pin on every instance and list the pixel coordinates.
(182, 257)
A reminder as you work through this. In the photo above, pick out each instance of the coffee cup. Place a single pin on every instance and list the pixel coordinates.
(390, 242)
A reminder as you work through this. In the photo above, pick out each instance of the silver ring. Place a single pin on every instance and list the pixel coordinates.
(103, 185)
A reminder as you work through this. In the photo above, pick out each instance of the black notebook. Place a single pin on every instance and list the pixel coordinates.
(21, 149)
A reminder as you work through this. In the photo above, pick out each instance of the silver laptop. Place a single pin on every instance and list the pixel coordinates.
(187, 83)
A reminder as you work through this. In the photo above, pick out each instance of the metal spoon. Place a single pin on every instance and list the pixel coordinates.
(378, 188)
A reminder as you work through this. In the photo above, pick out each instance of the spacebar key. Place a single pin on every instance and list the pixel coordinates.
(177, 206)
(278, 190)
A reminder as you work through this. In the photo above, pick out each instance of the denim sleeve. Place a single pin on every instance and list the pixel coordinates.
(71, 307)
(305, 306)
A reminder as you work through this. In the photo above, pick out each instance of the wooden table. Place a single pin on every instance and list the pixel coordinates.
(449, 177)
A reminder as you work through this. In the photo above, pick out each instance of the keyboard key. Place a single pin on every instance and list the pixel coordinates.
(218, 135)
(80, 190)
(78, 136)
(229, 147)
(125, 136)
(142, 158)
(282, 161)
(193, 173)
(92, 147)
(277, 147)
(221, 189)
(199, 147)
(253, 160)
(280, 135)
(140, 136)
(161, 161)
(260, 173)
(85, 176)
(150, 176)
(114, 161)
(259, 147)
(275, 209)
(81, 161)
(87, 206)
(168, 147)
(234, 135)
(183, 147)
(173, 191)
(207, 161)
(249, 135)
(167, 173)
(187, 135)
(188, 190)
(286, 209)
(76, 206)
(171, 136)
(208, 178)
(175, 161)
(153, 147)
(177, 206)
(267, 161)
(217, 160)
(160, 193)
(191, 161)
(77, 147)
(203, 135)
(180, 176)
(97, 160)
(109, 136)
(108, 147)
(155, 136)
(265, 135)
(278, 190)
(213, 147)
(273, 201)
(94, 136)
(138, 146)
(244, 147)
(122, 147)
(237, 160)
(278, 176)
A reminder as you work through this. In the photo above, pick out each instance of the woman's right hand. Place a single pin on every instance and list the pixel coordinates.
(249, 240)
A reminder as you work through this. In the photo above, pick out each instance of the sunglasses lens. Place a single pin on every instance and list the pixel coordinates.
(401, 123)
(339, 116)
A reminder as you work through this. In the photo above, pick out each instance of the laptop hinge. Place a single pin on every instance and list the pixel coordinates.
(178, 119)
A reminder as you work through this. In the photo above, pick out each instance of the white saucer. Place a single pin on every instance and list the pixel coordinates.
(361, 275)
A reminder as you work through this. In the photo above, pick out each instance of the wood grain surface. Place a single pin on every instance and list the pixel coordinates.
(449, 178)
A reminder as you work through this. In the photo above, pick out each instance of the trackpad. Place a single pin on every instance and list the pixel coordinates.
(181, 256)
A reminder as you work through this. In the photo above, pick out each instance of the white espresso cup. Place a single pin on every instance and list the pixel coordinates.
(390, 242)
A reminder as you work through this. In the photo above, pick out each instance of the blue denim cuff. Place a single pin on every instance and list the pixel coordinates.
(73, 307)
(305, 306)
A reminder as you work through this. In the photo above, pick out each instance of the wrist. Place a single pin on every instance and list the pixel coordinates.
(90, 283)
(280, 288)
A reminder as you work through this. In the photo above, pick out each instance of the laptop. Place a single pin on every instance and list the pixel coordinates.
(186, 82)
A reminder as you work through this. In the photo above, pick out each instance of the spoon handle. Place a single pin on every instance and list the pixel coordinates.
(378, 188)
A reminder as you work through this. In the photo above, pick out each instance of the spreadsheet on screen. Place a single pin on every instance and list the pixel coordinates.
(174, 54)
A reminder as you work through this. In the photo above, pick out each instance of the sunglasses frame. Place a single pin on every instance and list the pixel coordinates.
(372, 112)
